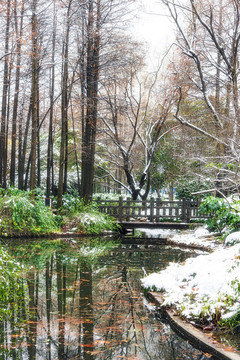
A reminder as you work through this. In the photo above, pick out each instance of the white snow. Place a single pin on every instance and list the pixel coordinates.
(158, 233)
(233, 238)
(203, 286)
(200, 236)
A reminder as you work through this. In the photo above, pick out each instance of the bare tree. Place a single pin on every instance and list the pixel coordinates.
(211, 46)
(134, 123)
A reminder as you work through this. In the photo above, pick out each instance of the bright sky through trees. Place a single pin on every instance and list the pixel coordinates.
(154, 28)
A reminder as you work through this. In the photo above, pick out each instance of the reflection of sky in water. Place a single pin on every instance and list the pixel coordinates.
(80, 309)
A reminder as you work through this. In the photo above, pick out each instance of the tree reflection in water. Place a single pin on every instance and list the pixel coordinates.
(91, 307)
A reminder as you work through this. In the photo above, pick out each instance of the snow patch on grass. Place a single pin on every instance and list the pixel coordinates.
(233, 238)
(205, 287)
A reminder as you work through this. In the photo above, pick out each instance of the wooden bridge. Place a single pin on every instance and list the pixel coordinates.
(151, 213)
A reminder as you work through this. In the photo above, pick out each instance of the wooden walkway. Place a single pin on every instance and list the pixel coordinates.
(151, 212)
(131, 225)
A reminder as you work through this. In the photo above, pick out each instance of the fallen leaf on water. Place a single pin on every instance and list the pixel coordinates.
(86, 345)
(87, 321)
(102, 303)
(101, 342)
(96, 352)
(15, 335)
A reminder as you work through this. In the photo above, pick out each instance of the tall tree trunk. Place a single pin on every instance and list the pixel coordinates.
(50, 131)
(5, 163)
(3, 137)
(75, 151)
(62, 183)
(83, 83)
(90, 126)
(35, 66)
(20, 147)
(16, 93)
(38, 142)
(23, 147)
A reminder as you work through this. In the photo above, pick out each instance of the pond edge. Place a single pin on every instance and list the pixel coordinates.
(196, 337)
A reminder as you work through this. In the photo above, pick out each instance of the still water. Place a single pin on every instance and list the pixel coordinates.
(83, 300)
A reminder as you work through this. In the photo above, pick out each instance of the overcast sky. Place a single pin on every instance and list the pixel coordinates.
(154, 27)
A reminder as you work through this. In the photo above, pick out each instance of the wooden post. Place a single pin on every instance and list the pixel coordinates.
(184, 210)
(188, 210)
(151, 209)
(158, 202)
(144, 208)
(120, 209)
(98, 201)
(128, 208)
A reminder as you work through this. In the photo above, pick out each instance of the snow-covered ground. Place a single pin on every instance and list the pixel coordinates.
(207, 286)
(200, 236)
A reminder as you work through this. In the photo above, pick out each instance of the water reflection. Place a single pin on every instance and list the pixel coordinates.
(85, 302)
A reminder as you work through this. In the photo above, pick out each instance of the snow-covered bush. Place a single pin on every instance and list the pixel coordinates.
(93, 222)
(233, 238)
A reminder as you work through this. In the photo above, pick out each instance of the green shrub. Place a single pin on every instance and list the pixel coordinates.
(19, 215)
(85, 218)
(94, 222)
(221, 213)
(185, 188)
(232, 323)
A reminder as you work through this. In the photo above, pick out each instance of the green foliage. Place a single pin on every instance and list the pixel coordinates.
(86, 218)
(92, 222)
(221, 214)
(186, 187)
(232, 322)
(37, 253)
(72, 204)
(19, 215)
(70, 251)
(11, 287)
(166, 166)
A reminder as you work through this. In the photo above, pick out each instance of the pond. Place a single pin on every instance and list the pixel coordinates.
(83, 300)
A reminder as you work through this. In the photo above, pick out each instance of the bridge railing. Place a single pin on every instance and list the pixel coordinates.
(152, 210)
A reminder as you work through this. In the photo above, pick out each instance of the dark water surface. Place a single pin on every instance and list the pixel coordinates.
(83, 300)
